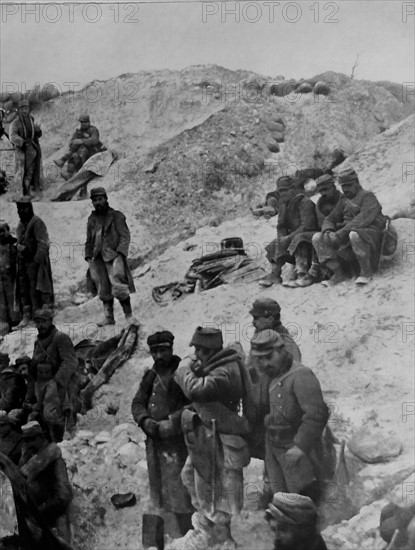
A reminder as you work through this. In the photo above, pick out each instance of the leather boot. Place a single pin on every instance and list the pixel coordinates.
(108, 314)
(128, 312)
(273, 278)
(338, 274)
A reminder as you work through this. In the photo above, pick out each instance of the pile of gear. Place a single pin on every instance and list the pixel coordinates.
(229, 264)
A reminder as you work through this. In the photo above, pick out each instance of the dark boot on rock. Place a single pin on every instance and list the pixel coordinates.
(108, 314)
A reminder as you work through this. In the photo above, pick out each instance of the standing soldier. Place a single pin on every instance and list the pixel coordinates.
(294, 447)
(34, 269)
(83, 144)
(213, 472)
(106, 250)
(157, 408)
(25, 134)
(8, 257)
(54, 350)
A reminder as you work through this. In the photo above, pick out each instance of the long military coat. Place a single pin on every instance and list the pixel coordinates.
(160, 398)
(18, 134)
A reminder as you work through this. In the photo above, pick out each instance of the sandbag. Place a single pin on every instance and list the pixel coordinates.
(304, 88)
(279, 138)
(283, 88)
(275, 127)
(321, 88)
(273, 147)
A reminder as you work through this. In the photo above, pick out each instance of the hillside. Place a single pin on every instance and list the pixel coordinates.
(190, 167)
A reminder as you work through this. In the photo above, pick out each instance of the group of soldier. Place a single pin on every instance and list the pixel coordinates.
(24, 134)
(339, 237)
(205, 416)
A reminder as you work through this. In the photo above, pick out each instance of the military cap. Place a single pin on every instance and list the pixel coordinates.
(162, 339)
(324, 180)
(24, 103)
(22, 360)
(264, 341)
(348, 175)
(207, 337)
(32, 429)
(293, 509)
(45, 314)
(284, 183)
(84, 118)
(97, 192)
(4, 419)
(265, 307)
(4, 358)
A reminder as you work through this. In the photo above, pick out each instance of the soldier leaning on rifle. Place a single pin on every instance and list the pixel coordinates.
(213, 472)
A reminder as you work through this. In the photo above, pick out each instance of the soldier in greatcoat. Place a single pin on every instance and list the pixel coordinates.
(35, 289)
(106, 251)
(295, 422)
(25, 134)
(213, 431)
(296, 215)
(351, 235)
(9, 311)
(157, 408)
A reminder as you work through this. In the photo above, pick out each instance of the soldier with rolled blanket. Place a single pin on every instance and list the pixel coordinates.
(157, 408)
(213, 473)
(106, 251)
(297, 417)
(293, 519)
(351, 235)
(296, 216)
(47, 480)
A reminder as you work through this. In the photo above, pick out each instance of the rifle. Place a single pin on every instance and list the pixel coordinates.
(213, 465)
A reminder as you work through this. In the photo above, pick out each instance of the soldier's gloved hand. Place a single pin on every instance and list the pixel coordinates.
(292, 456)
(150, 427)
(166, 429)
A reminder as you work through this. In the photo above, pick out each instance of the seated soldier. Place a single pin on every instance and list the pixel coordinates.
(330, 197)
(270, 208)
(296, 216)
(351, 235)
(83, 144)
(293, 519)
(47, 480)
(12, 386)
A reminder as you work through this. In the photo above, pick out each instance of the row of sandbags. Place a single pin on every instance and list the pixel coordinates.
(9, 101)
(288, 86)
(276, 129)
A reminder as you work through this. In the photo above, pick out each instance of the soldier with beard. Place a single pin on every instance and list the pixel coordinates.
(106, 251)
(35, 273)
(293, 519)
(157, 408)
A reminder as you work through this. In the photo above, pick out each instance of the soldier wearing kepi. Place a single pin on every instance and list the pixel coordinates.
(25, 134)
(83, 144)
(351, 235)
(297, 417)
(34, 269)
(157, 408)
(106, 251)
(213, 472)
(293, 519)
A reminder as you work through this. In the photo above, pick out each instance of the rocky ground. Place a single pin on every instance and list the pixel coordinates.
(359, 341)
